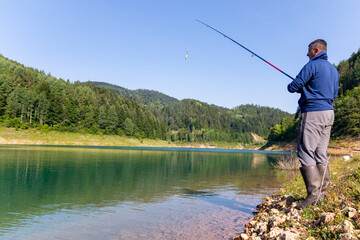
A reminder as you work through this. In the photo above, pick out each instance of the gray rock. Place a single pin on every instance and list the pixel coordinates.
(251, 223)
(244, 237)
(287, 235)
(347, 226)
(347, 236)
(260, 228)
(293, 215)
(277, 221)
(326, 217)
(274, 233)
(352, 213)
(274, 211)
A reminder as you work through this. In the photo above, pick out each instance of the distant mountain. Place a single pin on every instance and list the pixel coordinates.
(142, 96)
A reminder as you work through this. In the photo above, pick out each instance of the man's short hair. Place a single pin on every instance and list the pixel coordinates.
(320, 44)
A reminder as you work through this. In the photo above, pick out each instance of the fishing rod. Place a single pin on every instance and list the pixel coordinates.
(246, 49)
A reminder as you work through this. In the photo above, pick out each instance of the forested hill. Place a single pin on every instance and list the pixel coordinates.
(143, 96)
(215, 123)
(347, 106)
(29, 98)
(192, 120)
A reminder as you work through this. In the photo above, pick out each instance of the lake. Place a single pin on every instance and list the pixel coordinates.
(54, 192)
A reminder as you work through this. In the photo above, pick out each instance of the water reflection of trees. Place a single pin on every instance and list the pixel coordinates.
(35, 181)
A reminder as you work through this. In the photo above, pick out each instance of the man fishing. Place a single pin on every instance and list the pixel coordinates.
(317, 83)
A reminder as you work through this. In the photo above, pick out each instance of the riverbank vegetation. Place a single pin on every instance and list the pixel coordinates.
(286, 162)
(40, 137)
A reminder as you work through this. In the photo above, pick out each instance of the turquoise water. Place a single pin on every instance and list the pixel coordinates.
(130, 193)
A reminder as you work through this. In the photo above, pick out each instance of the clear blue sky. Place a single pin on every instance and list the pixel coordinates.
(142, 44)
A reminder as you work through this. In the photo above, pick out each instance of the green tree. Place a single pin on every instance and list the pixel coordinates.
(129, 127)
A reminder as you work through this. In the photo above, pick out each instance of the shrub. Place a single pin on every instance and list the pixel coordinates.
(286, 162)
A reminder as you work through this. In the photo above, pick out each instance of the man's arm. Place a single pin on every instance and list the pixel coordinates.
(301, 79)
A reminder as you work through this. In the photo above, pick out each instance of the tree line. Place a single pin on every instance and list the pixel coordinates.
(29, 98)
(193, 121)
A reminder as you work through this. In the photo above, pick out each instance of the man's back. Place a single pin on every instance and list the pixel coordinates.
(318, 84)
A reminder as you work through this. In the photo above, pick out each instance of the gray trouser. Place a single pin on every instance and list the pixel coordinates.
(314, 135)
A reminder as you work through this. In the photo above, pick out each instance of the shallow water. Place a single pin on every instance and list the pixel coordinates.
(123, 193)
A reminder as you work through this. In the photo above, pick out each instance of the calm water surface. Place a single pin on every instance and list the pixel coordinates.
(107, 193)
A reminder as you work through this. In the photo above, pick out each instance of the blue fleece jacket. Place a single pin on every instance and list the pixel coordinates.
(318, 84)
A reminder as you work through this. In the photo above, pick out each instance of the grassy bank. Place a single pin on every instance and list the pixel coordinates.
(38, 137)
(337, 217)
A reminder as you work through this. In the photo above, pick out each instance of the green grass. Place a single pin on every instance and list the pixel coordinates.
(40, 137)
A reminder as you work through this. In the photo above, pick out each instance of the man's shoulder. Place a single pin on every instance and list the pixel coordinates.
(320, 62)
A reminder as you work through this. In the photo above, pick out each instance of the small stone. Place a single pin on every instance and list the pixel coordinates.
(244, 237)
(335, 228)
(294, 215)
(274, 233)
(347, 226)
(251, 224)
(260, 227)
(326, 217)
(255, 236)
(277, 221)
(274, 211)
(352, 213)
(347, 236)
(263, 216)
(287, 235)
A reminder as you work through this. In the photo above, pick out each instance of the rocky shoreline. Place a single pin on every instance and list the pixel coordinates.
(337, 217)
(277, 218)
